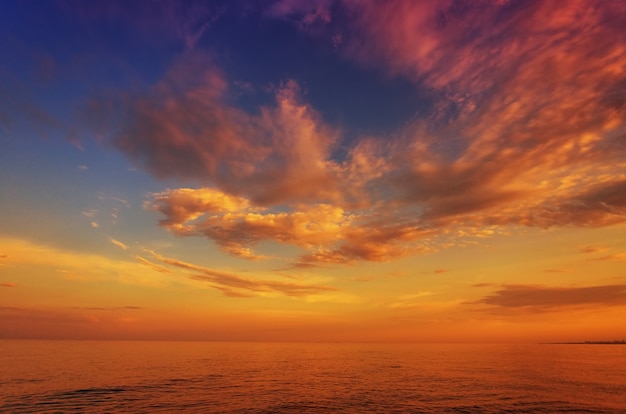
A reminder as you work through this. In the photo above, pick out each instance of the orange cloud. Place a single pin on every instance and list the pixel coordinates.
(235, 226)
(328, 233)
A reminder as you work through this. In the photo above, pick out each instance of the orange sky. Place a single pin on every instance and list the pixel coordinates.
(431, 171)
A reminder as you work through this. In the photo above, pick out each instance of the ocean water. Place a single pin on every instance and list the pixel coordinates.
(207, 377)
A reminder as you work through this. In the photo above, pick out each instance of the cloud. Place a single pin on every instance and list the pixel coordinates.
(237, 286)
(523, 156)
(551, 298)
(90, 213)
(183, 205)
(329, 234)
(599, 205)
(483, 285)
(527, 129)
(118, 244)
(186, 128)
(152, 265)
(235, 226)
(110, 308)
(615, 256)
(508, 92)
(413, 301)
(592, 249)
(8, 284)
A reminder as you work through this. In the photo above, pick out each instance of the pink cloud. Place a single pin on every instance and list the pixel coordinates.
(527, 146)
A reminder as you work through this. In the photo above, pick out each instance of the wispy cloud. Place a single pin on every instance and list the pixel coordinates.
(8, 284)
(592, 249)
(110, 308)
(118, 243)
(615, 256)
(152, 265)
(236, 286)
(411, 301)
(90, 213)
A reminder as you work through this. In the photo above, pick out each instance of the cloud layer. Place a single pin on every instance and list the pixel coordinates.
(527, 129)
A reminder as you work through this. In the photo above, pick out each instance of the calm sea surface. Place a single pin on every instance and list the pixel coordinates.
(146, 377)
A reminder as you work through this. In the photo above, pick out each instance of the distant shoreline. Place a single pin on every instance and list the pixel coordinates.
(622, 342)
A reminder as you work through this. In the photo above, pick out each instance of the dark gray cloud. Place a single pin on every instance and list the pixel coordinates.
(550, 298)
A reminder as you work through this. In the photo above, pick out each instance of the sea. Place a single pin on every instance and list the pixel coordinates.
(221, 377)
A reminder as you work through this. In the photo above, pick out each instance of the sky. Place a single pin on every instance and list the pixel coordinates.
(299, 170)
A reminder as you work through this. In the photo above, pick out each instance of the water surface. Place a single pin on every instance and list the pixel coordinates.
(111, 376)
